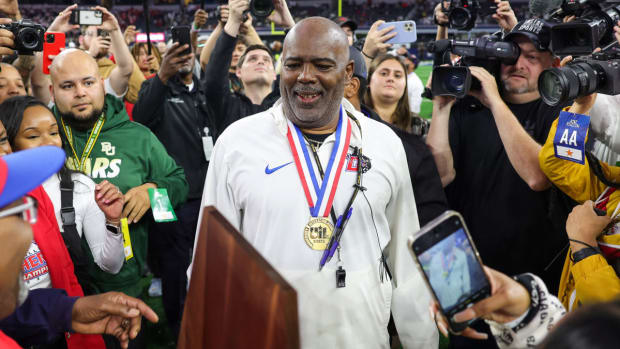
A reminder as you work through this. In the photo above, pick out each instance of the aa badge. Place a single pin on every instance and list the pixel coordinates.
(317, 233)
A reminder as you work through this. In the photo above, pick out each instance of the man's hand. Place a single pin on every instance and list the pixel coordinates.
(440, 16)
(508, 300)
(153, 63)
(61, 23)
(200, 19)
(237, 8)
(173, 61)
(130, 34)
(224, 14)
(112, 313)
(109, 22)
(110, 200)
(585, 225)
(99, 46)
(375, 40)
(281, 16)
(244, 29)
(489, 94)
(505, 16)
(137, 202)
(6, 39)
(9, 7)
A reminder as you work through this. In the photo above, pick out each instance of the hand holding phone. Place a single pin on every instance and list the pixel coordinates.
(445, 254)
(508, 300)
(405, 32)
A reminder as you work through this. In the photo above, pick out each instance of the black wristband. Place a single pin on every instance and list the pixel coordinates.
(583, 254)
(364, 53)
(528, 281)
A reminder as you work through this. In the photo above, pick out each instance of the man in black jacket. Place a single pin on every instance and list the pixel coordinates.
(255, 69)
(172, 104)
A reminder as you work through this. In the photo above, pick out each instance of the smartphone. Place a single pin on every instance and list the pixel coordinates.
(52, 45)
(103, 33)
(180, 34)
(450, 264)
(86, 17)
(405, 32)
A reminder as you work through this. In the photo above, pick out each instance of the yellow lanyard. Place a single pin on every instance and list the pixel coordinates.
(90, 144)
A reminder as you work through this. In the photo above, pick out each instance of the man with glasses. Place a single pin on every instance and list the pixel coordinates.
(42, 315)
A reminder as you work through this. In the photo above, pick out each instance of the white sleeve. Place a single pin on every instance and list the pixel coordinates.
(415, 88)
(106, 247)
(546, 310)
(410, 296)
(110, 91)
(217, 192)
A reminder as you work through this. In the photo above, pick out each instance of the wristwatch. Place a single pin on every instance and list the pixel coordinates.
(115, 229)
(584, 253)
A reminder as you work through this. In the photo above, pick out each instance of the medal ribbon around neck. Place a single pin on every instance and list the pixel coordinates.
(90, 144)
(318, 203)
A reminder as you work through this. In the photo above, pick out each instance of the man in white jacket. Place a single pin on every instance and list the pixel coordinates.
(265, 179)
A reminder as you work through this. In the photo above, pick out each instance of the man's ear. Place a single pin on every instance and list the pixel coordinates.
(351, 88)
(349, 71)
(555, 62)
(238, 72)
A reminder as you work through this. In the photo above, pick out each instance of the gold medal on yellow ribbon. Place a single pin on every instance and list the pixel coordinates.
(317, 233)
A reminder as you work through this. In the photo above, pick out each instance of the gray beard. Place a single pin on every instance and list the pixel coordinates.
(329, 113)
(521, 90)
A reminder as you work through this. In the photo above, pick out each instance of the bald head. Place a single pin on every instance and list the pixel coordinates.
(322, 31)
(316, 67)
(68, 60)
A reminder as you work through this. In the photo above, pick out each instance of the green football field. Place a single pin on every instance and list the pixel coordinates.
(424, 71)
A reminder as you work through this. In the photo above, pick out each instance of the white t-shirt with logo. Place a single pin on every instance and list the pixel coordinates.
(36, 271)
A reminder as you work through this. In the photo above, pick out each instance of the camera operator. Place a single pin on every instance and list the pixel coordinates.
(488, 154)
(255, 69)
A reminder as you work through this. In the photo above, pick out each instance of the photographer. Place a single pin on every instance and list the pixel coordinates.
(172, 104)
(255, 69)
(486, 150)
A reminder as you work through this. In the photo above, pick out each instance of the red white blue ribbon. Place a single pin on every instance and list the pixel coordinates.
(320, 194)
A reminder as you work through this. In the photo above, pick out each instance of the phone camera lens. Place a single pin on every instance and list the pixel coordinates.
(50, 38)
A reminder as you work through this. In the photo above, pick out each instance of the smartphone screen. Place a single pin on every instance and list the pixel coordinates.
(181, 35)
(90, 17)
(450, 263)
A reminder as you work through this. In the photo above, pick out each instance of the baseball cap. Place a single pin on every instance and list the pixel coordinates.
(346, 22)
(360, 66)
(536, 29)
(24, 170)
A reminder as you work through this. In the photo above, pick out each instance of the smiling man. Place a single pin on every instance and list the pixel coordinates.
(488, 155)
(266, 178)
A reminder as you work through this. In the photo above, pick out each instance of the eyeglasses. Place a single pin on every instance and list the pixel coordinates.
(28, 210)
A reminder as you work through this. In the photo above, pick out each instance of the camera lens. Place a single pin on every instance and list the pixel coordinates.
(455, 83)
(50, 38)
(557, 85)
(29, 38)
(460, 18)
(261, 8)
(552, 87)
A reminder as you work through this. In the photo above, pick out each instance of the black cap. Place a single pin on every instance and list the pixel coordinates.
(536, 29)
(345, 22)
(360, 65)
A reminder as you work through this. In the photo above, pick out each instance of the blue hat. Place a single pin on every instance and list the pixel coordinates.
(25, 170)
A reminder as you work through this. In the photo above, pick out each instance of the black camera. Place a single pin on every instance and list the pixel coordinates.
(29, 36)
(583, 76)
(261, 8)
(488, 52)
(462, 14)
(593, 28)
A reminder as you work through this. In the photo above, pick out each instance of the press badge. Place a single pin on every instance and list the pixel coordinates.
(570, 137)
(161, 206)
(126, 239)
(207, 144)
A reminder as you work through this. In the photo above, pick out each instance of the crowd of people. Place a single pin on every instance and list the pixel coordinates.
(108, 161)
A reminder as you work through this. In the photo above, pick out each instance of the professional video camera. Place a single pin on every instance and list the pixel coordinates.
(593, 27)
(28, 36)
(487, 52)
(462, 14)
(599, 73)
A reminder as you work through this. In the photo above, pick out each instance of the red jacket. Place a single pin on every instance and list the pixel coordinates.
(47, 236)
(7, 342)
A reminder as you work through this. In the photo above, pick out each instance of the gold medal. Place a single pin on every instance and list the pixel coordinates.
(317, 233)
